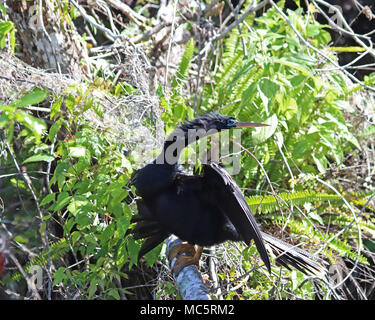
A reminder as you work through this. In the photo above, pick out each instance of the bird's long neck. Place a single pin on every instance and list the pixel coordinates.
(180, 138)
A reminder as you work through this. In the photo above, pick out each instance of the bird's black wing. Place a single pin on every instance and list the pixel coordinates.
(233, 203)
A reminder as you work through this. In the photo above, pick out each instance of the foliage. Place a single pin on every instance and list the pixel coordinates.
(277, 83)
(15, 114)
(57, 250)
(87, 195)
(6, 28)
(176, 109)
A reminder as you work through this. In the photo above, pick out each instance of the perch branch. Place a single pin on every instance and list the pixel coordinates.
(189, 281)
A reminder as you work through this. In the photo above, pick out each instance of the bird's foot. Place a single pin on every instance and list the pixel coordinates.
(184, 261)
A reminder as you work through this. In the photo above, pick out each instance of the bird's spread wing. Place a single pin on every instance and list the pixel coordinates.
(236, 208)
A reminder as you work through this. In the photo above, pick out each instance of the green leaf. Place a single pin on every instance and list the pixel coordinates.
(84, 218)
(3, 10)
(77, 152)
(261, 134)
(122, 226)
(77, 203)
(153, 255)
(321, 162)
(35, 125)
(62, 200)
(40, 157)
(5, 27)
(346, 49)
(184, 64)
(75, 236)
(367, 132)
(133, 250)
(268, 87)
(122, 254)
(21, 239)
(59, 174)
(370, 245)
(70, 102)
(47, 199)
(297, 80)
(299, 67)
(54, 130)
(114, 293)
(55, 107)
(107, 234)
(312, 30)
(92, 287)
(34, 97)
(313, 215)
(59, 276)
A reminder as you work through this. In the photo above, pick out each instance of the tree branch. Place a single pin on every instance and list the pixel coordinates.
(189, 281)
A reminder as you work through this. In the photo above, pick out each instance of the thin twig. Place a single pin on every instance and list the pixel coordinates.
(30, 283)
(126, 10)
(265, 174)
(170, 43)
(212, 270)
(235, 12)
(308, 45)
(348, 30)
(109, 32)
(29, 186)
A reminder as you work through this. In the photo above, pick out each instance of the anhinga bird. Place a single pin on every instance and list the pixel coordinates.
(204, 209)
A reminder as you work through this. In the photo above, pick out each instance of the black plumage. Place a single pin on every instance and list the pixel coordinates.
(203, 209)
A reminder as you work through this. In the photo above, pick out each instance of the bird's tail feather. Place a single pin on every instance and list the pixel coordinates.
(149, 230)
(288, 255)
(146, 229)
(151, 242)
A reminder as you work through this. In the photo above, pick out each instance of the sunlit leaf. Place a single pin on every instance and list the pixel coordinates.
(40, 157)
(34, 97)
(261, 134)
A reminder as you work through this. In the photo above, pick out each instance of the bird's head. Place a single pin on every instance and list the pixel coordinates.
(193, 130)
(218, 122)
(230, 123)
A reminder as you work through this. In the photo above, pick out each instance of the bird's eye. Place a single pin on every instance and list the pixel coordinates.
(231, 123)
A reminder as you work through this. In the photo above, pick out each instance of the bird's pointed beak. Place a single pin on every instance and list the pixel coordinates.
(250, 125)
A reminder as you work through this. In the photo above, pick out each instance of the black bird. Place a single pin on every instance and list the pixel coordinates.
(204, 209)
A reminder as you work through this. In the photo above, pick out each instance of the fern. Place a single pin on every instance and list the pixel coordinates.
(340, 245)
(184, 65)
(56, 251)
(269, 203)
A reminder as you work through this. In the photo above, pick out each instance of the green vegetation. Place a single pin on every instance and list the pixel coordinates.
(85, 202)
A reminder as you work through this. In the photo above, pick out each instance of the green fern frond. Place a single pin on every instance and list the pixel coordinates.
(268, 203)
(341, 246)
(56, 250)
(184, 64)
(360, 202)
(344, 249)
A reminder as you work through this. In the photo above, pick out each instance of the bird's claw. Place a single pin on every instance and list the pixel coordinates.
(183, 261)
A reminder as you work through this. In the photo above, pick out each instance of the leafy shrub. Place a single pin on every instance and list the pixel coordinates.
(278, 83)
